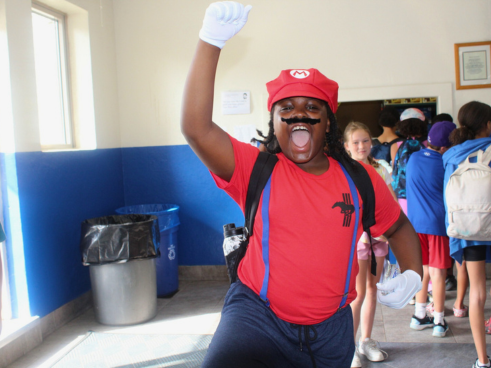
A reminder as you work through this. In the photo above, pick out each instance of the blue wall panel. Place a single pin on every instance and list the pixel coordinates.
(57, 191)
(174, 175)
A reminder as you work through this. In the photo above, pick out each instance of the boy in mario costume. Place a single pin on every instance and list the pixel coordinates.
(289, 307)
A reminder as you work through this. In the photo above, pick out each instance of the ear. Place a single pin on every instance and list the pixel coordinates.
(328, 126)
(346, 147)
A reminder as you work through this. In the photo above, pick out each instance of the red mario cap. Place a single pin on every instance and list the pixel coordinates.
(303, 82)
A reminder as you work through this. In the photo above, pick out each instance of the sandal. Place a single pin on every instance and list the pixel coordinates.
(462, 312)
(487, 326)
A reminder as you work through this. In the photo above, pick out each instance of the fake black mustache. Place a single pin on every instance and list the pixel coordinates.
(296, 120)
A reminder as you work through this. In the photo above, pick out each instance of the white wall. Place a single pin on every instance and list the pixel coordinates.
(140, 52)
(371, 48)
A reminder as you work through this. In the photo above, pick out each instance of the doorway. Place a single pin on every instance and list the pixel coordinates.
(367, 112)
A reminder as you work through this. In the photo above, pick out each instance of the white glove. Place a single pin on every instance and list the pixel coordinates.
(222, 21)
(397, 292)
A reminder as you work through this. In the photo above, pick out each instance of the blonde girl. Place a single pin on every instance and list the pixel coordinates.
(358, 143)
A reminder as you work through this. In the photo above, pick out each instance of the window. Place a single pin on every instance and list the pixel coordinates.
(52, 77)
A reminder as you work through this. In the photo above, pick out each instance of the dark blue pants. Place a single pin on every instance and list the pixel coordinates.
(250, 335)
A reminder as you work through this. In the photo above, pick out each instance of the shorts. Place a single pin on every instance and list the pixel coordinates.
(435, 251)
(380, 248)
(475, 253)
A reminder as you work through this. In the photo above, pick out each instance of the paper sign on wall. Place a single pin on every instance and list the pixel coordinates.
(236, 103)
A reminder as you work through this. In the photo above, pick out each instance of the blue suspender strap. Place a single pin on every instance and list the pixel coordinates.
(265, 240)
(354, 195)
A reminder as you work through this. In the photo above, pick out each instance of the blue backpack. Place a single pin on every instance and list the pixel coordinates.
(381, 151)
(407, 148)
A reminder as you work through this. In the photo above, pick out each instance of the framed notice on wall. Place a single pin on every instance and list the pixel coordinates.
(473, 65)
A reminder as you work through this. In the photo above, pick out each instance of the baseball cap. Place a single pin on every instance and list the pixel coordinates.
(303, 82)
(412, 112)
(439, 133)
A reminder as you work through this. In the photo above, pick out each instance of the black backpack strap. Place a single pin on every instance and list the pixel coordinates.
(263, 167)
(364, 186)
(261, 172)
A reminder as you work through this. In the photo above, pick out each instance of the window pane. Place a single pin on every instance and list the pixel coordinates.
(49, 80)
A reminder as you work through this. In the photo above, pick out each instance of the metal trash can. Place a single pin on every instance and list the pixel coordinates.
(167, 264)
(121, 254)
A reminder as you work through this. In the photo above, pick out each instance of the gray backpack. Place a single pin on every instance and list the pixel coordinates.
(468, 197)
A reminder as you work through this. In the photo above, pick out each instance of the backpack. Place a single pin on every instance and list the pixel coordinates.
(261, 172)
(407, 148)
(381, 151)
(468, 197)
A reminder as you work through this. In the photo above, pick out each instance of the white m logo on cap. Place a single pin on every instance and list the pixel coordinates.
(299, 73)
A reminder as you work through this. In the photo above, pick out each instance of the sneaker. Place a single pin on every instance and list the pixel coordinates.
(477, 365)
(440, 329)
(356, 361)
(370, 349)
(450, 283)
(413, 301)
(421, 323)
(487, 326)
(430, 308)
(461, 312)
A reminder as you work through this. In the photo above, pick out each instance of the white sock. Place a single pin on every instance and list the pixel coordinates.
(484, 365)
(438, 317)
(420, 310)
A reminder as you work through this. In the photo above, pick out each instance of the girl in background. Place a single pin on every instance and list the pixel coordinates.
(473, 135)
(358, 143)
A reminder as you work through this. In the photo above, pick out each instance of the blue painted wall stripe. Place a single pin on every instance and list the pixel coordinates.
(59, 190)
(174, 174)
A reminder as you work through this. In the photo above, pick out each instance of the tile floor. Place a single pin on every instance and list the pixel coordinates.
(195, 309)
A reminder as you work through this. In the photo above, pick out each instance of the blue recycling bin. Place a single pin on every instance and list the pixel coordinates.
(166, 266)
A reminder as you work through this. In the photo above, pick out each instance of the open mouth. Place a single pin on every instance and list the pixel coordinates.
(300, 136)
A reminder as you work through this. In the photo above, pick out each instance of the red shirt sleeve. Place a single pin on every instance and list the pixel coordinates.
(245, 156)
(387, 210)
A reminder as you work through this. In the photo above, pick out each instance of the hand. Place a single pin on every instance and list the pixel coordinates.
(223, 20)
(397, 292)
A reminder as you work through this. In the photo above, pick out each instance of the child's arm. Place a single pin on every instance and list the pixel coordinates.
(392, 191)
(404, 242)
(210, 143)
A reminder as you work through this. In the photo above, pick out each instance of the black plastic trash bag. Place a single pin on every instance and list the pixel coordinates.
(119, 238)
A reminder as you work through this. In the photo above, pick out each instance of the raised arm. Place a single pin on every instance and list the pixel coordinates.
(210, 143)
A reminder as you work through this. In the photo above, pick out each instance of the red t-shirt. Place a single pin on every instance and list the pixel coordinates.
(309, 247)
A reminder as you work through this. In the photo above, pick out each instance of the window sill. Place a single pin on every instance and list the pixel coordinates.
(14, 328)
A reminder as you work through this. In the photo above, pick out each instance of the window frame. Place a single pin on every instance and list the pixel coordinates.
(64, 66)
